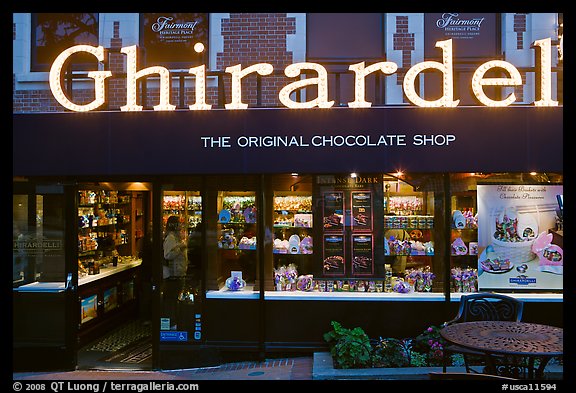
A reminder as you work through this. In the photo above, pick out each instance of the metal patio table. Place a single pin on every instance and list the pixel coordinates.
(514, 340)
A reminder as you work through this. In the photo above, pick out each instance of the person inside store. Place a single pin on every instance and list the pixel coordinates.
(176, 257)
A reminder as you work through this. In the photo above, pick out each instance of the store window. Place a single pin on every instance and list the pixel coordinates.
(52, 33)
(415, 235)
(513, 226)
(174, 40)
(112, 241)
(38, 234)
(357, 235)
(237, 241)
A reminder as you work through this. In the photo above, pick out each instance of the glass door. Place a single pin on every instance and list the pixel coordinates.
(44, 277)
(181, 258)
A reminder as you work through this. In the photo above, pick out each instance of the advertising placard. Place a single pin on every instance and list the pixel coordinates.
(170, 37)
(361, 211)
(474, 34)
(519, 239)
(362, 255)
(333, 254)
(333, 213)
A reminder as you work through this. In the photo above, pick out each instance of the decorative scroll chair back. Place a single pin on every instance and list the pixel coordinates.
(489, 307)
(482, 306)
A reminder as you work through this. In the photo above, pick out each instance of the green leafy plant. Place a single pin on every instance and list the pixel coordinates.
(391, 352)
(350, 348)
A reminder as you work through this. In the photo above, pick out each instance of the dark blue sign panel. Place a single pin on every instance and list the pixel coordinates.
(173, 335)
(335, 140)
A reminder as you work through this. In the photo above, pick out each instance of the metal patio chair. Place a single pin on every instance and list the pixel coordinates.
(481, 306)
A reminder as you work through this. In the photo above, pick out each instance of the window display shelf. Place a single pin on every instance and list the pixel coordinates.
(42, 287)
(353, 296)
(224, 293)
(109, 271)
(526, 297)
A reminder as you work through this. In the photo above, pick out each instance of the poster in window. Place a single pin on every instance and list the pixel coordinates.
(333, 254)
(519, 237)
(88, 308)
(361, 211)
(362, 255)
(333, 212)
(110, 298)
(169, 38)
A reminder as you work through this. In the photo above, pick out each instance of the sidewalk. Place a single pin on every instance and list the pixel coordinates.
(287, 369)
(274, 369)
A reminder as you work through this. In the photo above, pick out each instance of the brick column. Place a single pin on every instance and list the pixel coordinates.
(116, 84)
(404, 41)
(519, 29)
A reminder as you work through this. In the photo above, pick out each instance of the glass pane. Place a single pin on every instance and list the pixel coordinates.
(409, 238)
(38, 239)
(236, 242)
(54, 32)
(293, 240)
(182, 251)
(507, 232)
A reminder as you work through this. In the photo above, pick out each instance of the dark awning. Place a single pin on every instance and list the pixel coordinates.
(380, 139)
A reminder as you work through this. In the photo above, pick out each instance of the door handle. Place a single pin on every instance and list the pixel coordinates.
(69, 286)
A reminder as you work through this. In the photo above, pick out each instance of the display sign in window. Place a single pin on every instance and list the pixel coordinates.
(361, 211)
(362, 255)
(333, 212)
(334, 262)
(88, 308)
(520, 237)
(110, 299)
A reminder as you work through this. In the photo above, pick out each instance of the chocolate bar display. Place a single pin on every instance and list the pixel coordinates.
(333, 262)
(333, 211)
(361, 211)
(362, 255)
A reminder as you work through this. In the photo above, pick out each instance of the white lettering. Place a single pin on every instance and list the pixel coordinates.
(544, 79)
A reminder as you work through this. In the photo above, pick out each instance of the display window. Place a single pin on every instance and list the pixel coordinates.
(111, 235)
(355, 235)
(236, 243)
(389, 236)
(109, 230)
(506, 232)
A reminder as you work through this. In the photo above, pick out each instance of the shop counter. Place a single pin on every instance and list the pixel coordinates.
(107, 299)
(109, 271)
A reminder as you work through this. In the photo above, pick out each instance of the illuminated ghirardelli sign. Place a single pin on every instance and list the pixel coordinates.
(543, 79)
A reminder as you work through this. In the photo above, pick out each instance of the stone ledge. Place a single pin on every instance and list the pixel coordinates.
(323, 369)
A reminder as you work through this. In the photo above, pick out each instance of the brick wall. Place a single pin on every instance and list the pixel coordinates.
(257, 38)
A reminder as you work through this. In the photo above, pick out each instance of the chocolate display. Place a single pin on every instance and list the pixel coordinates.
(362, 263)
(332, 221)
(334, 262)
